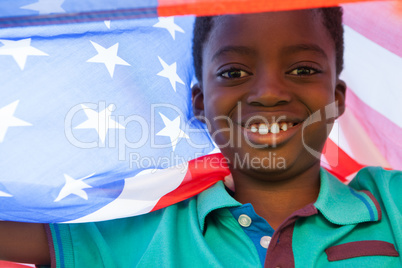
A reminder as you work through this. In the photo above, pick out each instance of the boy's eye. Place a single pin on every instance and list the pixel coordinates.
(300, 71)
(233, 73)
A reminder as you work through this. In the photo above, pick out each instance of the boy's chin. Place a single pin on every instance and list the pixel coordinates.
(269, 163)
(272, 166)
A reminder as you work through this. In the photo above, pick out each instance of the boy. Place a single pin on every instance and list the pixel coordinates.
(262, 79)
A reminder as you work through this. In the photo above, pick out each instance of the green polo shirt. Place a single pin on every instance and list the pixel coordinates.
(359, 225)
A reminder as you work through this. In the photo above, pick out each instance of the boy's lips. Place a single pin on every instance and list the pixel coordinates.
(269, 120)
(270, 130)
(270, 139)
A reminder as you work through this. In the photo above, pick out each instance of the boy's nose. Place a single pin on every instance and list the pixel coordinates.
(269, 91)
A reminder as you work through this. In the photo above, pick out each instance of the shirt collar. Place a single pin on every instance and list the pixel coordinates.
(213, 198)
(338, 203)
(342, 205)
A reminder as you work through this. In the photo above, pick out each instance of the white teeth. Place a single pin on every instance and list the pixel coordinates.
(254, 129)
(284, 126)
(263, 129)
(274, 128)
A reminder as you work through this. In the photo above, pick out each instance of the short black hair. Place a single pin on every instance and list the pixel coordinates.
(332, 20)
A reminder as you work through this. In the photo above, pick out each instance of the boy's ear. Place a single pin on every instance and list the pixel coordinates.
(340, 94)
(197, 98)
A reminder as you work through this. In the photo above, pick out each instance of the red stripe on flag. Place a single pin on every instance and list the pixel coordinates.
(6, 264)
(340, 163)
(214, 7)
(202, 173)
(384, 133)
(380, 22)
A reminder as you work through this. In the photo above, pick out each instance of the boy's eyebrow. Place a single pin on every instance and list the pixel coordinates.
(234, 49)
(304, 47)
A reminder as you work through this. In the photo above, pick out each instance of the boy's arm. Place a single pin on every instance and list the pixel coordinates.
(24, 242)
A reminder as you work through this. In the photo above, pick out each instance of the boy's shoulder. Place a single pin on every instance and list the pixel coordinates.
(376, 177)
(385, 185)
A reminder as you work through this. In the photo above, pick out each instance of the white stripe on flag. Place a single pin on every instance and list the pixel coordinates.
(374, 73)
(140, 193)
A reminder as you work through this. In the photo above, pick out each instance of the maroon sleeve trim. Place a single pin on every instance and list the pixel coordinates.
(361, 248)
(51, 246)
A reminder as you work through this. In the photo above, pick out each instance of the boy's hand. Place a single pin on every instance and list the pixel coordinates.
(24, 242)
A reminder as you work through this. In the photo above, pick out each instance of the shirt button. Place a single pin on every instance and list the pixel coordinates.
(244, 220)
(264, 242)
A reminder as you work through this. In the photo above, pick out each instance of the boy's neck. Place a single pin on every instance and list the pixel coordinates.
(277, 200)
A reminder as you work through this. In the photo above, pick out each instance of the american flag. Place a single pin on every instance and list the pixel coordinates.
(95, 111)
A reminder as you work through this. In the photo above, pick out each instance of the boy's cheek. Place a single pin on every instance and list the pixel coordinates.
(221, 130)
(314, 136)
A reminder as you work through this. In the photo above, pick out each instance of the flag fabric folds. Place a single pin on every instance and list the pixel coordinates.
(86, 107)
(95, 105)
(39, 12)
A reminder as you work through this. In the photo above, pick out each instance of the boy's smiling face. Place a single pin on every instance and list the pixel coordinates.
(264, 73)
